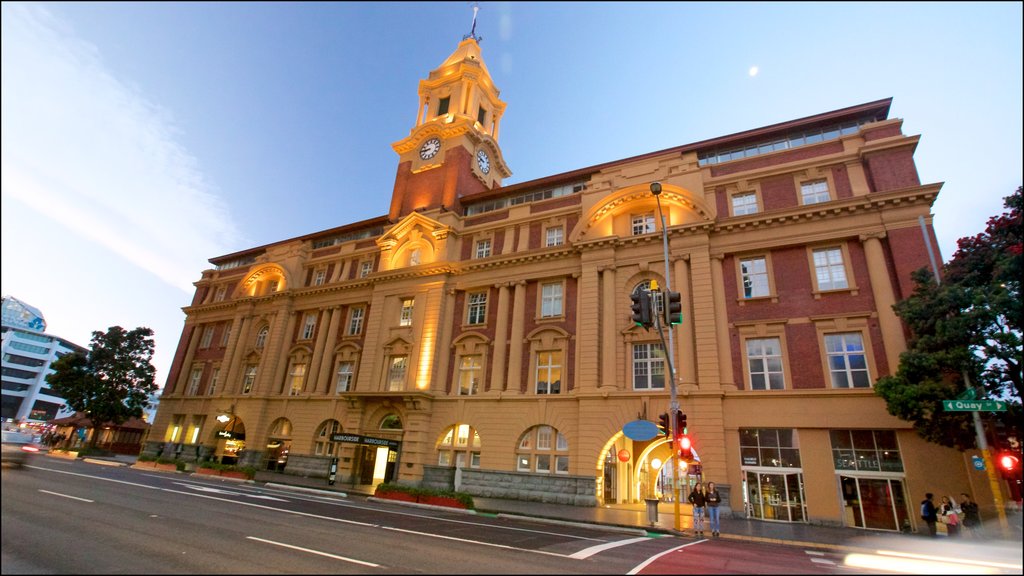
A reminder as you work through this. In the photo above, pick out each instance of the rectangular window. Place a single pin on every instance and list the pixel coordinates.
(555, 236)
(405, 319)
(481, 115)
(207, 337)
(643, 223)
(829, 269)
(396, 373)
(745, 203)
(772, 447)
(764, 360)
(309, 326)
(344, 378)
(483, 248)
(549, 372)
(319, 277)
(226, 335)
(551, 300)
(220, 293)
(847, 362)
(476, 309)
(365, 268)
(523, 463)
(295, 378)
(561, 464)
(469, 375)
(214, 378)
(754, 272)
(250, 378)
(355, 321)
(474, 459)
(648, 366)
(272, 286)
(872, 450)
(543, 463)
(815, 192)
(544, 438)
(193, 382)
(442, 105)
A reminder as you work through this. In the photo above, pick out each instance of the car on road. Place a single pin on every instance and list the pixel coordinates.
(17, 448)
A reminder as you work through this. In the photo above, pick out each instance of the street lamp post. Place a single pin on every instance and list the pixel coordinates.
(669, 352)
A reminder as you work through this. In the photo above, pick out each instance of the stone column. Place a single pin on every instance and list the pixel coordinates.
(280, 340)
(609, 342)
(514, 380)
(186, 365)
(498, 366)
(312, 377)
(722, 324)
(323, 381)
(881, 288)
(685, 352)
(236, 347)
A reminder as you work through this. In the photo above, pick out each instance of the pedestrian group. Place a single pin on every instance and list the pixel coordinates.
(958, 517)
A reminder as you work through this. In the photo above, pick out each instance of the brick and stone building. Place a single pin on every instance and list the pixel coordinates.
(478, 334)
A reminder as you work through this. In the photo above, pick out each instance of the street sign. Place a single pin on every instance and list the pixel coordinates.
(972, 405)
(641, 430)
(979, 463)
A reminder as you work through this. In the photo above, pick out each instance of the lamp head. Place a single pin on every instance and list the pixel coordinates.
(655, 188)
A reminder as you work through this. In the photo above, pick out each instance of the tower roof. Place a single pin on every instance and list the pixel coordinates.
(467, 53)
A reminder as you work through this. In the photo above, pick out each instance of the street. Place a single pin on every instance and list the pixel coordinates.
(66, 516)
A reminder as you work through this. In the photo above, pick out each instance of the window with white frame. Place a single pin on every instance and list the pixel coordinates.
(193, 382)
(322, 443)
(405, 319)
(309, 326)
(221, 292)
(396, 372)
(459, 444)
(226, 335)
(343, 378)
(551, 300)
(544, 450)
(549, 372)
(483, 248)
(365, 268)
(815, 192)
(476, 308)
(469, 375)
(847, 360)
(319, 277)
(829, 269)
(249, 380)
(355, 321)
(214, 379)
(754, 273)
(261, 337)
(295, 378)
(207, 337)
(648, 366)
(555, 236)
(642, 223)
(744, 203)
(764, 362)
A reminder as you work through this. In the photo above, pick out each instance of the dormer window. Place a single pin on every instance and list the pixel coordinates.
(442, 106)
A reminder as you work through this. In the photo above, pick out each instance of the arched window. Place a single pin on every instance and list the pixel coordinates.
(460, 446)
(322, 443)
(544, 450)
(261, 337)
(391, 422)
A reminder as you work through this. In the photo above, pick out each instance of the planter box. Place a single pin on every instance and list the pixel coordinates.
(234, 474)
(441, 501)
(209, 471)
(401, 496)
(172, 467)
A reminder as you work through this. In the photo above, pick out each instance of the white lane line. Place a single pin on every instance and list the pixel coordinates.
(588, 552)
(814, 553)
(645, 563)
(317, 552)
(823, 561)
(66, 496)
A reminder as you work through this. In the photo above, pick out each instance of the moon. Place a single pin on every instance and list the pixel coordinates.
(752, 71)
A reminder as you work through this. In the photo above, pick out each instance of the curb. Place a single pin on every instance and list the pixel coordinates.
(305, 489)
(592, 525)
(104, 462)
(425, 506)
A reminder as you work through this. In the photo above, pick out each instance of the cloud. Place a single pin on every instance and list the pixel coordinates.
(90, 153)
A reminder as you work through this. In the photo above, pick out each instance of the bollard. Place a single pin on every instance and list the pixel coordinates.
(652, 510)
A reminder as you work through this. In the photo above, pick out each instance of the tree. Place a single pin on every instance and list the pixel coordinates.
(965, 329)
(113, 381)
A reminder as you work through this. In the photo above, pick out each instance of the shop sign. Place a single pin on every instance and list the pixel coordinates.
(750, 460)
(225, 434)
(360, 439)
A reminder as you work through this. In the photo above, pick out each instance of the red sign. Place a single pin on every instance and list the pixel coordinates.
(624, 455)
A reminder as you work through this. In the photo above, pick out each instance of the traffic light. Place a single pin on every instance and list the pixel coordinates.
(641, 308)
(665, 425)
(673, 308)
(685, 448)
(1009, 464)
(680, 422)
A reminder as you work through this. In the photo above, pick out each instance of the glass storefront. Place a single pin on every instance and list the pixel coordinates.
(773, 480)
(869, 469)
(874, 503)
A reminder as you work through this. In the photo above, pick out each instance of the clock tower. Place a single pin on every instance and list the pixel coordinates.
(453, 149)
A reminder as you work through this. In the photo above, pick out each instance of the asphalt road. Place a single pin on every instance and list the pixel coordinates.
(64, 516)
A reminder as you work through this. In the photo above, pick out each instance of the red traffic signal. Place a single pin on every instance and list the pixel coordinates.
(1008, 462)
(685, 448)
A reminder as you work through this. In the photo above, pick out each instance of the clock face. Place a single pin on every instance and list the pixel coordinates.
(483, 161)
(430, 148)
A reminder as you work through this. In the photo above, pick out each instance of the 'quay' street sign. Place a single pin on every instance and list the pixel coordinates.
(972, 405)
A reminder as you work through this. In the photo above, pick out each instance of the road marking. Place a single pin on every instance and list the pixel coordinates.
(823, 561)
(588, 552)
(317, 552)
(645, 563)
(66, 496)
(228, 492)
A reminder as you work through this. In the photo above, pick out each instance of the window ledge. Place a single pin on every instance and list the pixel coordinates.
(853, 291)
(773, 298)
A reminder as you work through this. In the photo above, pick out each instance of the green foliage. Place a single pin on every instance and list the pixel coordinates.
(462, 497)
(113, 381)
(146, 458)
(966, 332)
(163, 460)
(180, 465)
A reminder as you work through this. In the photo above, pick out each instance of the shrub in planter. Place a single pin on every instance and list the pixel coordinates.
(431, 496)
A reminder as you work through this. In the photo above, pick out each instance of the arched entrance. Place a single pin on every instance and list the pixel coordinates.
(230, 437)
(279, 444)
(632, 471)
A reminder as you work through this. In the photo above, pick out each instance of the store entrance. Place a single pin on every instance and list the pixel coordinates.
(875, 503)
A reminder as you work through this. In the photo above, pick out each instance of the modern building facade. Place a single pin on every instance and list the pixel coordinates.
(479, 334)
(27, 354)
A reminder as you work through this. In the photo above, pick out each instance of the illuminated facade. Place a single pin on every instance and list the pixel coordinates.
(486, 328)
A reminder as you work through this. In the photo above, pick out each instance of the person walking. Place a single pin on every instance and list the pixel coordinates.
(950, 516)
(713, 498)
(970, 519)
(699, 501)
(928, 513)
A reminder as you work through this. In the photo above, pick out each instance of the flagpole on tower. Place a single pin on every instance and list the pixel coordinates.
(472, 31)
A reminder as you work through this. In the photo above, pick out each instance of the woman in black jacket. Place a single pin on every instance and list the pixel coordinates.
(699, 502)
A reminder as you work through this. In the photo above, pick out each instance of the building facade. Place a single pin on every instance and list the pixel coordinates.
(27, 354)
(479, 335)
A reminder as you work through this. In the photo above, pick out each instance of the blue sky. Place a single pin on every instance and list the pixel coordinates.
(142, 139)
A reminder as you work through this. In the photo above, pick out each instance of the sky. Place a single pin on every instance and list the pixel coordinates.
(142, 139)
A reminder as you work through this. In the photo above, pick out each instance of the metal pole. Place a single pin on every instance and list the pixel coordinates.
(669, 352)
